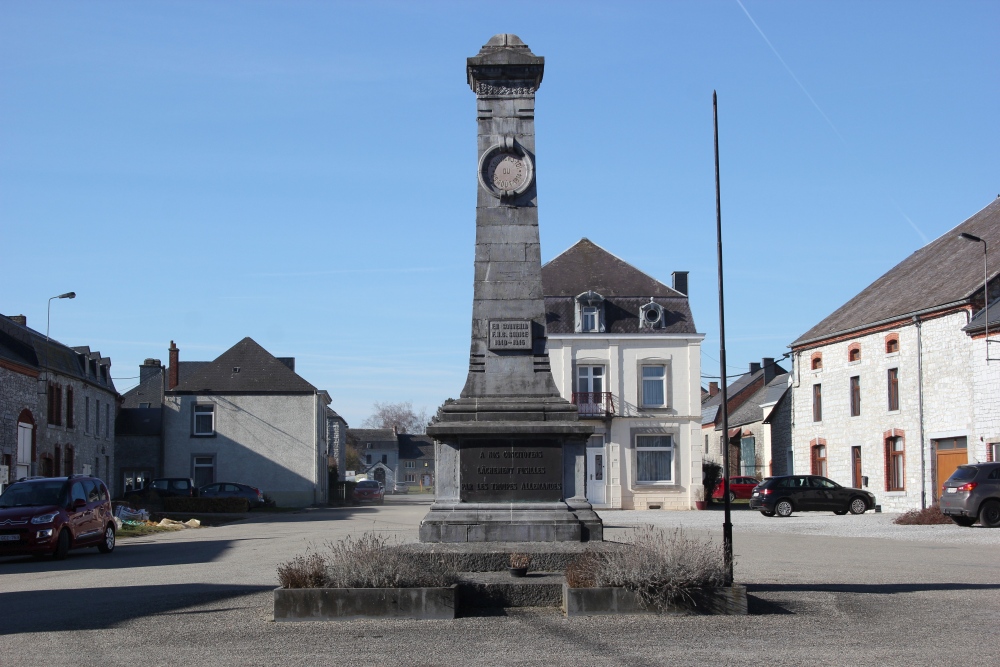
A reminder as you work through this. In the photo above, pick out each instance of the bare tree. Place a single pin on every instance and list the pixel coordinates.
(402, 416)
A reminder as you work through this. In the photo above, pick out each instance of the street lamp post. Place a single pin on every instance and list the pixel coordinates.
(45, 356)
(48, 314)
(986, 280)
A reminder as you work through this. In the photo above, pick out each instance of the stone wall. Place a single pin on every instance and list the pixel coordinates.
(17, 393)
(986, 397)
(946, 396)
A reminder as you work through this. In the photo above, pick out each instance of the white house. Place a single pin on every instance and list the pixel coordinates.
(623, 347)
(247, 417)
(890, 391)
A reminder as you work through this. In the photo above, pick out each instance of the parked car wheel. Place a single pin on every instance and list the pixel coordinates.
(62, 546)
(732, 496)
(783, 508)
(840, 512)
(964, 521)
(989, 514)
(858, 506)
(108, 544)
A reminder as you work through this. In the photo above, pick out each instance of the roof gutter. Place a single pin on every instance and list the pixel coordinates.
(888, 320)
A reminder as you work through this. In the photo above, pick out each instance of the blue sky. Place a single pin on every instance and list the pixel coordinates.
(304, 172)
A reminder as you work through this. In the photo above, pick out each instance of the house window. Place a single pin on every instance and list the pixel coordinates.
(854, 353)
(892, 344)
(204, 420)
(855, 396)
(107, 421)
(651, 316)
(817, 361)
(654, 459)
(590, 379)
(654, 386)
(86, 414)
(69, 407)
(385, 458)
(589, 312)
(410, 464)
(144, 405)
(895, 458)
(893, 389)
(97, 418)
(368, 459)
(819, 459)
(55, 404)
(411, 477)
(993, 452)
(203, 469)
(817, 402)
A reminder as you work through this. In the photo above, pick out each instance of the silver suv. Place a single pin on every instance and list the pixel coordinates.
(973, 493)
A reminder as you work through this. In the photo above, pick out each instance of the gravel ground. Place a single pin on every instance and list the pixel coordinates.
(876, 595)
(745, 521)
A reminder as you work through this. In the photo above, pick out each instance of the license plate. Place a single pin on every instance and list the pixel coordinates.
(10, 538)
(951, 489)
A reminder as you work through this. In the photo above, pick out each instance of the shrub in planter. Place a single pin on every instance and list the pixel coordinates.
(207, 505)
(711, 476)
(661, 568)
(368, 561)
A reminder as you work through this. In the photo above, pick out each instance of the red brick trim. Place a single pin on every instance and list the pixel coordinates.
(27, 418)
(816, 361)
(894, 339)
(814, 446)
(18, 368)
(854, 352)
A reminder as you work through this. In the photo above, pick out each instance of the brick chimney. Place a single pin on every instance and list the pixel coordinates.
(680, 279)
(713, 388)
(19, 319)
(174, 363)
(770, 371)
(754, 367)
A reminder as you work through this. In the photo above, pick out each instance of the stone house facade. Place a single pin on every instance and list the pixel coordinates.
(623, 347)
(58, 407)
(377, 446)
(884, 390)
(759, 420)
(416, 462)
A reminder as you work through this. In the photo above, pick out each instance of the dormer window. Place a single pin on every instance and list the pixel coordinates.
(589, 312)
(651, 316)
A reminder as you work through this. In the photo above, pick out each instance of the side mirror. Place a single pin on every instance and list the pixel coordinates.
(78, 503)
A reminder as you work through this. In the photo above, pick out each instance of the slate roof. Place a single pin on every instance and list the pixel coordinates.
(751, 410)
(259, 371)
(946, 271)
(415, 446)
(978, 323)
(587, 266)
(27, 347)
(372, 434)
(744, 407)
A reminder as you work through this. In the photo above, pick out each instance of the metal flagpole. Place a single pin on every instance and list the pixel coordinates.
(727, 524)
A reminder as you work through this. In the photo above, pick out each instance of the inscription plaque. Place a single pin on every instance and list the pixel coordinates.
(503, 470)
(510, 335)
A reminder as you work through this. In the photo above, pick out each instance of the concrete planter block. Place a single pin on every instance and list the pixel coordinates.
(605, 601)
(345, 604)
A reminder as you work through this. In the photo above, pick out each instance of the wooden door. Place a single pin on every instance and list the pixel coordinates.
(856, 467)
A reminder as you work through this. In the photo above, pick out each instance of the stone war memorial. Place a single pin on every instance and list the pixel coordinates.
(510, 451)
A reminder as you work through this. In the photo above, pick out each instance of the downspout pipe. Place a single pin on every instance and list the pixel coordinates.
(920, 403)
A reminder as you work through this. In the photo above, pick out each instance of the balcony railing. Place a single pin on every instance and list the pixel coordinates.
(594, 404)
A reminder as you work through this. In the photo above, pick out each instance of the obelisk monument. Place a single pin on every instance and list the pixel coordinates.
(510, 452)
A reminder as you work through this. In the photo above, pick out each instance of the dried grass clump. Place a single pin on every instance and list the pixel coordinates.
(929, 516)
(518, 560)
(662, 568)
(368, 561)
(308, 571)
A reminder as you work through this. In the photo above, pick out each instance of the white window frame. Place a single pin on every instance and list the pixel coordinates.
(590, 319)
(590, 377)
(643, 365)
(588, 304)
(671, 448)
(206, 408)
(409, 465)
(195, 466)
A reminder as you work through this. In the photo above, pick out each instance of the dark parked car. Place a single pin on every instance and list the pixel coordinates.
(739, 488)
(808, 493)
(369, 491)
(51, 515)
(233, 490)
(973, 493)
(165, 487)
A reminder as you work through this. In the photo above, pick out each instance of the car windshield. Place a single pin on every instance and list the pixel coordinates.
(367, 485)
(32, 494)
(963, 474)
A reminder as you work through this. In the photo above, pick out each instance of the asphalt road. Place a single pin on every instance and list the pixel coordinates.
(824, 590)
